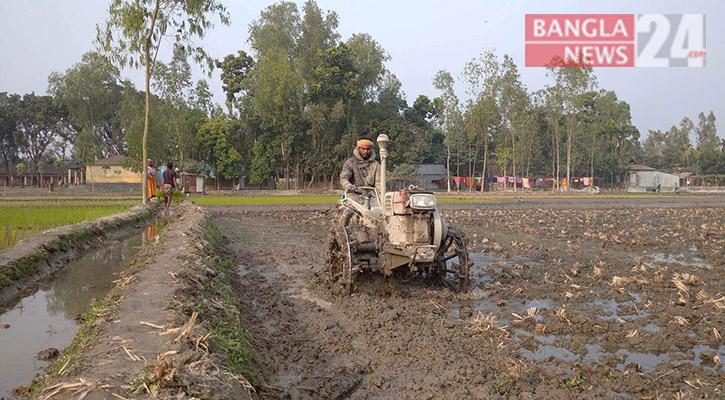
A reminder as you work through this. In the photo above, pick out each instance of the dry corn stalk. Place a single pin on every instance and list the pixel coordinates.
(681, 286)
(680, 320)
(618, 281)
(540, 329)
(517, 368)
(487, 323)
(531, 313)
(702, 296)
(632, 333)
(717, 361)
(690, 278)
(716, 333)
(561, 315)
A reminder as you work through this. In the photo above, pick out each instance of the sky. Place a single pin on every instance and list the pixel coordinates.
(38, 37)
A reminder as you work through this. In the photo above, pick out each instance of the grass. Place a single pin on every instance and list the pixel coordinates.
(226, 325)
(21, 219)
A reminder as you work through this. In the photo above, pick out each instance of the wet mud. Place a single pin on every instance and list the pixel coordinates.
(568, 300)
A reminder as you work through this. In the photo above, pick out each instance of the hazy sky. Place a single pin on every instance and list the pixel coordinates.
(38, 37)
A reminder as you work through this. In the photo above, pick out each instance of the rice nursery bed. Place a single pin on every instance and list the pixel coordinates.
(19, 219)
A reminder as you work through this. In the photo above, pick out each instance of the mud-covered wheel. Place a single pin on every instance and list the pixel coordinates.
(338, 263)
(454, 245)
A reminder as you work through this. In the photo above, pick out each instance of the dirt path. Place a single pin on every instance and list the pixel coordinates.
(572, 300)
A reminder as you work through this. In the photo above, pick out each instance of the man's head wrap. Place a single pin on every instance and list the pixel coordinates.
(365, 143)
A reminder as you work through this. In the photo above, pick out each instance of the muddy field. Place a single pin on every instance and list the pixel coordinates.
(608, 298)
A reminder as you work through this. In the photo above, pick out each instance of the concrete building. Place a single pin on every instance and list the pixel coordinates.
(109, 173)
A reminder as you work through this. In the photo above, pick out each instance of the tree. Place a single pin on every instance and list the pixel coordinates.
(317, 32)
(8, 123)
(135, 30)
(515, 106)
(450, 114)
(572, 80)
(37, 124)
(234, 71)
(483, 76)
(92, 92)
(278, 95)
(173, 83)
(707, 143)
(214, 140)
(277, 28)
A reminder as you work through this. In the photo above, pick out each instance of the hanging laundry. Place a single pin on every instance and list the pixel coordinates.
(526, 183)
(469, 181)
(458, 180)
(586, 181)
(511, 179)
(500, 179)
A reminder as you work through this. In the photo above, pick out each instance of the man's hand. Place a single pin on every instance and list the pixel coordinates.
(351, 187)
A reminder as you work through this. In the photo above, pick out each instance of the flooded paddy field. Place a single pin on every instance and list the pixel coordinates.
(590, 298)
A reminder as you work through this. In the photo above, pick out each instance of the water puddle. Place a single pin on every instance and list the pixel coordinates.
(46, 319)
(487, 266)
(610, 308)
(690, 260)
(544, 352)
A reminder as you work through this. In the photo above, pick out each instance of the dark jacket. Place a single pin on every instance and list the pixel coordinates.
(361, 172)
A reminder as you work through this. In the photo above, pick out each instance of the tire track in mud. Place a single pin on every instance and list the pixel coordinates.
(303, 344)
(383, 342)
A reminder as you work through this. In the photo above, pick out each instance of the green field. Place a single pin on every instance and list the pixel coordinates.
(21, 218)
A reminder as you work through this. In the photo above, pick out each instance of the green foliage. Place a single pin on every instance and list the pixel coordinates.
(9, 107)
(176, 196)
(214, 141)
(135, 30)
(37, 121)
(92, 93)
(234, 70)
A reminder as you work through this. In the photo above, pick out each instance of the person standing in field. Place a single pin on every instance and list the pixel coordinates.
(152, 184)
(168, 185)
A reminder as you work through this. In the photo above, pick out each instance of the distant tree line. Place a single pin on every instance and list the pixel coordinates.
(297, 103)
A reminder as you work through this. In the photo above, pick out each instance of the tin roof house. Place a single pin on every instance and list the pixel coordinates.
(644, 179)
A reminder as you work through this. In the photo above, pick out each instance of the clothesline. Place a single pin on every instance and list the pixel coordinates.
(525, 182)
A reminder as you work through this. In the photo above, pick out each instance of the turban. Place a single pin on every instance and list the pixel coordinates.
(366, 143)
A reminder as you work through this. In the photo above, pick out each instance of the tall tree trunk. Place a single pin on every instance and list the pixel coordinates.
(147, 108)
(475, 158)
(485, 159)
(513, 153)
(448, 166)
(591, 158)
(569, 134)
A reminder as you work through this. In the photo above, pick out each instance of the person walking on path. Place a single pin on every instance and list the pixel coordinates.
(168, 185)
(152, 184)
